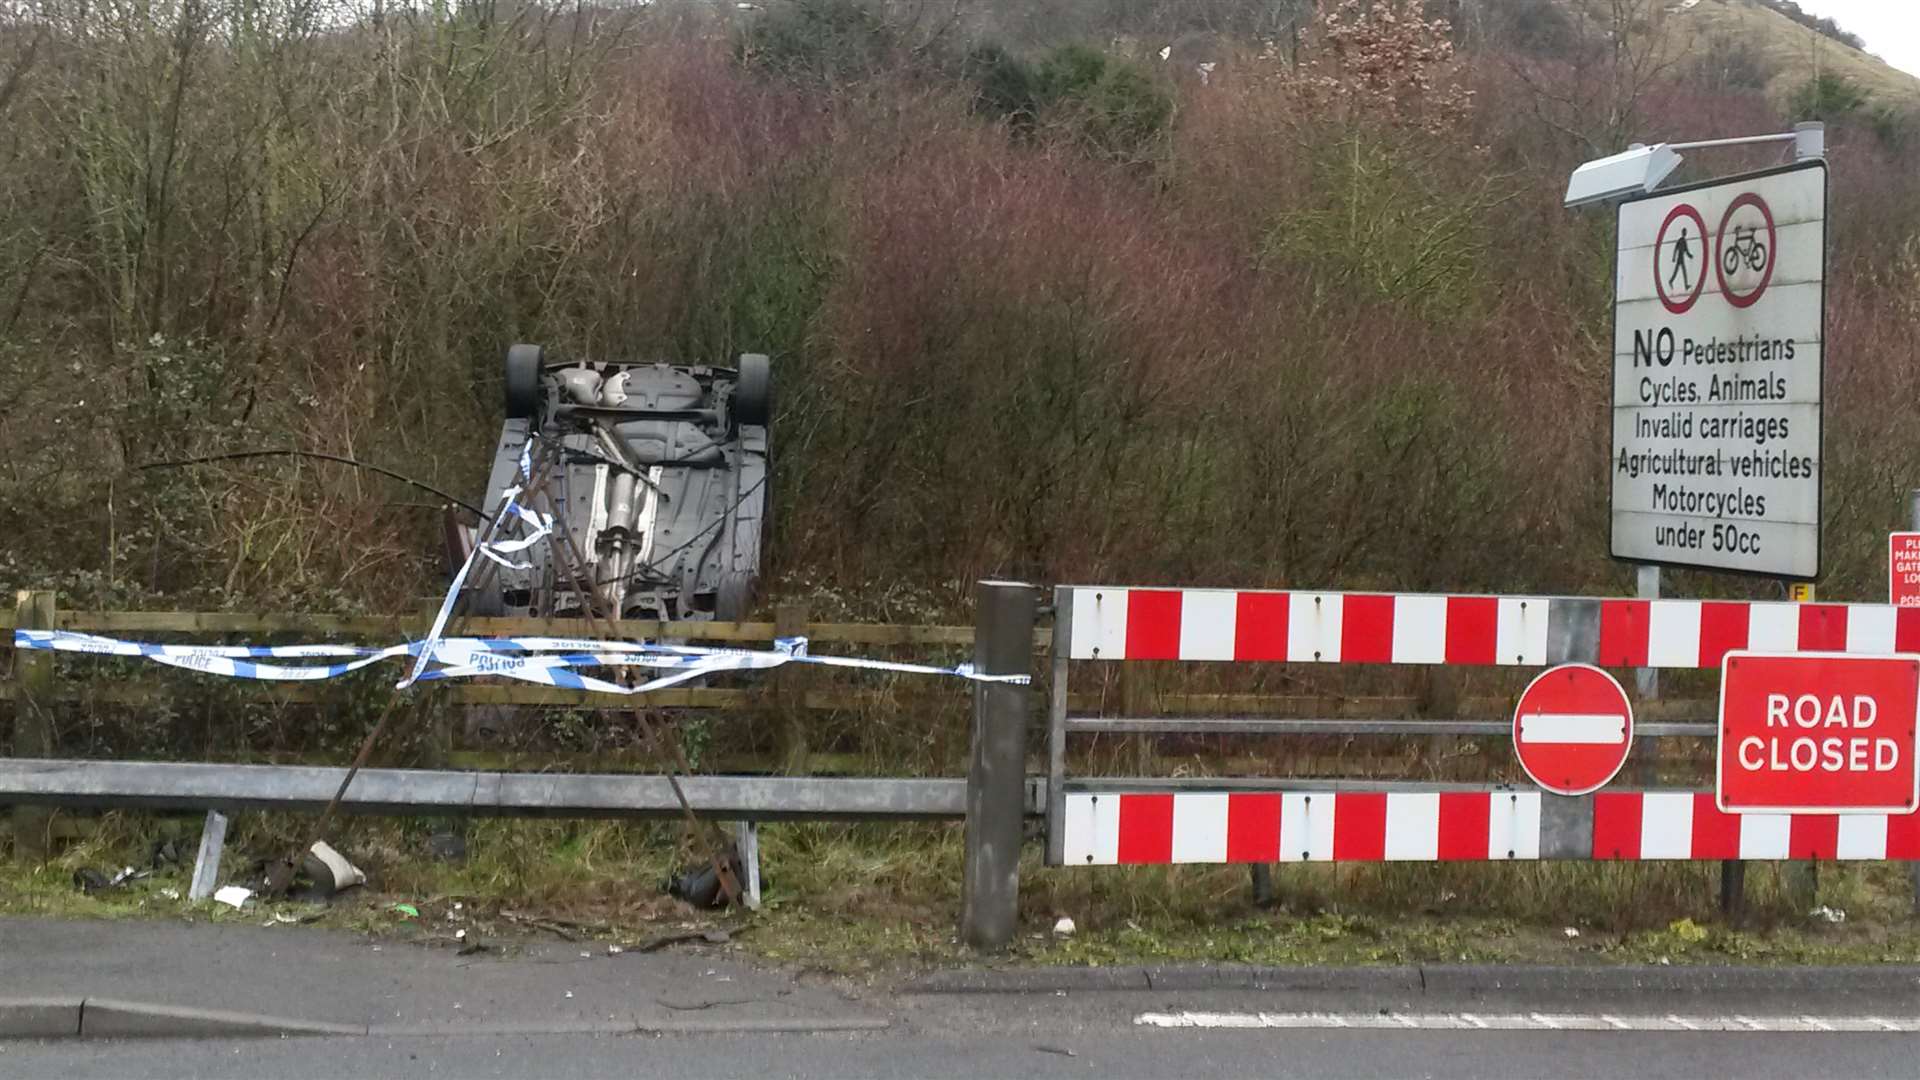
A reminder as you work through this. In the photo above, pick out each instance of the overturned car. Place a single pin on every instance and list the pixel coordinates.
(657, 478)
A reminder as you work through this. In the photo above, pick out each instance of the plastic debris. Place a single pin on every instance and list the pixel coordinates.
(1571, 932)
(699, 885)
(1828, 914)
(128, 874)
(234, 896)
(90, 881)
(171, 894)
(408, 910)
(1063, 927)
(330, 870)
(278, 877)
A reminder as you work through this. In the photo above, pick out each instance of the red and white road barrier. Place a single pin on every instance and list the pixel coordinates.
(1687, 825)
(1147, 828)
(1120, 828)
(1114, 623)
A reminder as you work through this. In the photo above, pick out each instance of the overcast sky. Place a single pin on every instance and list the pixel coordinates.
(1891, 28)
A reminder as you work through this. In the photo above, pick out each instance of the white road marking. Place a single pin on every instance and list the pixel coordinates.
(1525, 1022)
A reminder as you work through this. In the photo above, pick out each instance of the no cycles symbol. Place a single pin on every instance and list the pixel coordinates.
(1679, 258)
(1747, 257)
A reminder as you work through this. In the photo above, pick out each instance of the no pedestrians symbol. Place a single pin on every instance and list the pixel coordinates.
(1679, 258)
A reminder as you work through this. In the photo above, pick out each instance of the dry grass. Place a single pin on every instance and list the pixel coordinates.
(1797, 53)
(876, 899)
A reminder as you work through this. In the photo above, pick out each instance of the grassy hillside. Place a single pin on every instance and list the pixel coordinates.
(1796, 53)
(1037, 310)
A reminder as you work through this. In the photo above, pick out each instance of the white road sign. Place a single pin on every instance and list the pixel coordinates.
(1719, 310)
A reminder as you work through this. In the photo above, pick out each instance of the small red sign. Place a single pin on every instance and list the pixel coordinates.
(1572, 729)
(1818, 733)
(1903, 569)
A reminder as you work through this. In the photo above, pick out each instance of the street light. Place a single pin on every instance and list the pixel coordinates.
(1631, 172)
(1641, 169)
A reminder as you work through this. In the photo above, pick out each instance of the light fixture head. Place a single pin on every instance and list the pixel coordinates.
(1630, 172)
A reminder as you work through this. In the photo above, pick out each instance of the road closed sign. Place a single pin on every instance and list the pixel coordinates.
(1818, 733)
(1718, 337)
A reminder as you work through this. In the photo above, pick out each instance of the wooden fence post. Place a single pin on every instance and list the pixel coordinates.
(32, 720)
(790, 693)
(1005, 612)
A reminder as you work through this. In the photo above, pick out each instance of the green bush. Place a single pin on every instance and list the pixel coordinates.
(1114, 105)
(833, 41)
(1827, 97)
(1005, 85)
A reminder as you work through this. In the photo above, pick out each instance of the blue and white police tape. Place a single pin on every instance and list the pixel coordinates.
(539, 526)
(547, 661)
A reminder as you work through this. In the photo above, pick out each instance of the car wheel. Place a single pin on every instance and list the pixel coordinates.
(523, 381)
(753, 391)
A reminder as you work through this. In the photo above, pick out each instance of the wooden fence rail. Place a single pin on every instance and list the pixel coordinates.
(402, 626)
(388, 628)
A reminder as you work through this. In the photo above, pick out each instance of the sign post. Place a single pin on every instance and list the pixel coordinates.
(1818, 733)
(1719, 312)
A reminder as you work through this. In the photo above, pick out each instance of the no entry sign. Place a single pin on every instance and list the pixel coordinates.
(1572, 729)
(1818, 733)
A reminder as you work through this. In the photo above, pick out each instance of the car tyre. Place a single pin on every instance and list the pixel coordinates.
(523, 381)
(753, 390)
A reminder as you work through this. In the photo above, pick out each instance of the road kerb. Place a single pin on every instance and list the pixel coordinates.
(1431, 978)
(39, 1018)
(108, 1018)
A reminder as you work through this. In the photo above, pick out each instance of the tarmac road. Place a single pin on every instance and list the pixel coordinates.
(1099, 1052)
(532, 1013)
